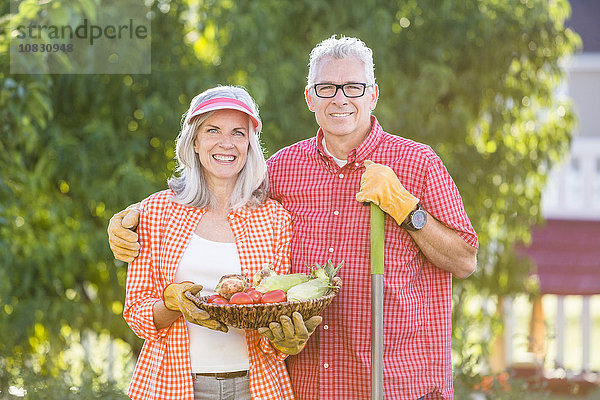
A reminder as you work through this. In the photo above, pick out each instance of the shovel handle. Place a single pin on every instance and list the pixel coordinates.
(377, 268)
(377, 236)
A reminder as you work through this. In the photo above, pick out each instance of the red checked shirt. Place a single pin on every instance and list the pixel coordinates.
(328, 223)
(163, 370)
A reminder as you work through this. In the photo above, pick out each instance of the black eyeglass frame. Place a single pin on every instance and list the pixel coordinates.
(338, 87)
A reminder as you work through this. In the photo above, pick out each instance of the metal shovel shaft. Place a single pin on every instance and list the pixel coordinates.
(377, 270)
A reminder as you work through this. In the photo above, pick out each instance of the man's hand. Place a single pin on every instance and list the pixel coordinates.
(290, 338)
(175, 300)
(121, 233)
(380, 185)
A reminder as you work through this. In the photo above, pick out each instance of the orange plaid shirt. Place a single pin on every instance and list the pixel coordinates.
(163, 369)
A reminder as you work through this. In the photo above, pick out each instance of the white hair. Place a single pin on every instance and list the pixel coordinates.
(189, 184)
(338, 49)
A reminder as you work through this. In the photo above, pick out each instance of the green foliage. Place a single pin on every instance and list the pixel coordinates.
(44, 387)
(476, 80)
(68, 141)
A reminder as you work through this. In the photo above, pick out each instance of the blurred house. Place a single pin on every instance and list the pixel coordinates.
(566, 248)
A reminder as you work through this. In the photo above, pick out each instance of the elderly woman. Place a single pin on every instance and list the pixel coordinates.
(216, 219)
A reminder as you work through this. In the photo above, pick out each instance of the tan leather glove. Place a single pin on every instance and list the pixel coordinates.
(380, 185)
(174, 299)
(290, 338)
(121, 233)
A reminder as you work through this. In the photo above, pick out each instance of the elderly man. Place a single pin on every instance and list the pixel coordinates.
(323, 182)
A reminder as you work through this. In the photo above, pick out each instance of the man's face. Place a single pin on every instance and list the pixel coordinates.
(341, 115)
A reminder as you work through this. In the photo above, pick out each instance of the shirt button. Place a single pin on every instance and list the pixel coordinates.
(331, 249)
(341, 176)
(336, 212)
(356, 164)
(325, 365)
(325, 327)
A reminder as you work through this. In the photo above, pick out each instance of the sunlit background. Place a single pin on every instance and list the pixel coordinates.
(506, 92)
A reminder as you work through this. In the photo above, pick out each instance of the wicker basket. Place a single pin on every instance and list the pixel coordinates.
(254, 316)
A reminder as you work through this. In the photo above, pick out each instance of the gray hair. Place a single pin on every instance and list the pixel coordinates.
(189, 183)
(339, 49)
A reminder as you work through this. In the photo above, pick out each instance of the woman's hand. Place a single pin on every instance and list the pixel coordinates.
(290, 338)
(174, 299)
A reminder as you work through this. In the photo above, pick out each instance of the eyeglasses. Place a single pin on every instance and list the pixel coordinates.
(329, 90)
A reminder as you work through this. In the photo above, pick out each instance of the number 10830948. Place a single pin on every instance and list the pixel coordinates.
(46, 48)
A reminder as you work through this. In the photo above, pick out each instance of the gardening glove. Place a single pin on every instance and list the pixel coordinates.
(121, 233)
(380, 185)
(290, 338)
(175, 300)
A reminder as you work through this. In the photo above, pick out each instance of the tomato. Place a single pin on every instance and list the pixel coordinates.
(241, 298)
(255, 294)
(217, 299)
(274, 296)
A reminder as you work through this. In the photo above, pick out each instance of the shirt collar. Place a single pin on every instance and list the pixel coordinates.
(242, 212)
(338, 161)
(362, 152)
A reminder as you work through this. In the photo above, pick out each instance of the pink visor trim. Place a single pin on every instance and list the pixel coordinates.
(225, 103)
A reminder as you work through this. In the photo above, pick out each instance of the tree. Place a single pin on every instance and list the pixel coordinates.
(476, 80)
(75, 149)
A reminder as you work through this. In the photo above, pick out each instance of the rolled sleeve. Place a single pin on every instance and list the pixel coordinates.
(442, 199)
(141, 291)
(140, 318)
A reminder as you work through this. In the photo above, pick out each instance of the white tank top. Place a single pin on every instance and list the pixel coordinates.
(204, 262)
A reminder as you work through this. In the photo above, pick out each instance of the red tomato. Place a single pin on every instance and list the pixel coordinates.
(255, 294)
(241, 298)
(217, 299)
(274, 296)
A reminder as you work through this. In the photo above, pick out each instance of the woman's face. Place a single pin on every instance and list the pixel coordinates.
(222, 145)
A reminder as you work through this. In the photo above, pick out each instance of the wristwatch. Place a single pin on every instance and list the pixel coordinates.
(415, 220)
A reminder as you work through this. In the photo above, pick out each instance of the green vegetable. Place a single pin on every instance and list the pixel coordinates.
(319, 272)
(281, 282)
(312, 289)
(326, 271)
(318, 286)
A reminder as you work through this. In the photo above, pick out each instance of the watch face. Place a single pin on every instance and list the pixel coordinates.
(419, 218)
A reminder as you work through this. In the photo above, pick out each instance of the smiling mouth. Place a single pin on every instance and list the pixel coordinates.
(338, 115)
(224, 158)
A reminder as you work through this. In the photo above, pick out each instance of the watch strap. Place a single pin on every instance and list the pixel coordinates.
(408, 223)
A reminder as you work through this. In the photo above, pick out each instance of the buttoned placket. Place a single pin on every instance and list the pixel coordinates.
(340, 175)
(335, 222)
(237, 222)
